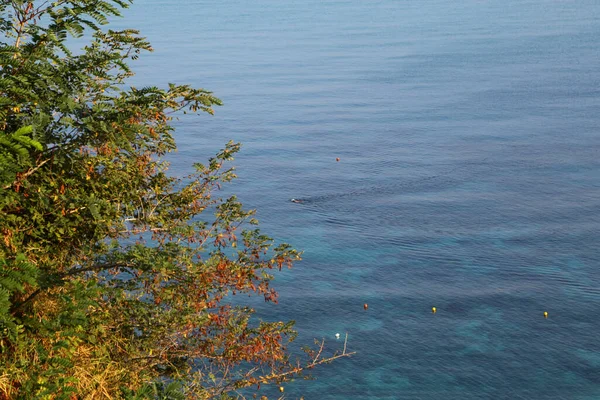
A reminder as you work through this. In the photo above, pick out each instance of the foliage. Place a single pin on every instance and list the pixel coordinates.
(113, 282)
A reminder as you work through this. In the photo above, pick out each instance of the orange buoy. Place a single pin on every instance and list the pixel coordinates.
(337, 159)
(366, 306)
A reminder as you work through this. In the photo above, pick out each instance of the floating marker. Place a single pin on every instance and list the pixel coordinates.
(433, 310)
(337, 335)
(337, 159)
(545, 314)
(281, 389)
(366, 306)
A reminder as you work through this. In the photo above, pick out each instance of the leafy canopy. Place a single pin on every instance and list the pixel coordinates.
(114, 274)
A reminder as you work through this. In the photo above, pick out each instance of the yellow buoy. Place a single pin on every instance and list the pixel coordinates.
(281, 389)
(433, 310)
(545, 314)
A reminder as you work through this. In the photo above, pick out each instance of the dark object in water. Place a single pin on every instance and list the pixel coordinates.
(297, 201)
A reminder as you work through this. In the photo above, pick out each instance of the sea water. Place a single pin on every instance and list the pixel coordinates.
(469, 180)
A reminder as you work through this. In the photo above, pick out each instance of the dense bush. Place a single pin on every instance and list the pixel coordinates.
(111, 275)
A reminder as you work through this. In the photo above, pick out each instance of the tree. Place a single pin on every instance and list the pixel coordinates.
(113, 281)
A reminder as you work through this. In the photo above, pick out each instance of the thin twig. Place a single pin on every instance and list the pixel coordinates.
(345, 342)
(28, 173)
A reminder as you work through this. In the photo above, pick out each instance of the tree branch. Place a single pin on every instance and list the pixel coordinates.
(28, 173)
(96, 267)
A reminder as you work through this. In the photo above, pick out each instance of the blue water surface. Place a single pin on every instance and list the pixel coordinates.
(469, 180)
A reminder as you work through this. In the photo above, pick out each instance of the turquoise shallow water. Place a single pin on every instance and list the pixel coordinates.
(469, 180)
